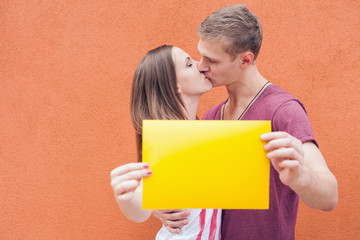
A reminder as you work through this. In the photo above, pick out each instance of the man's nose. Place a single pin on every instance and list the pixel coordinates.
(202, 66)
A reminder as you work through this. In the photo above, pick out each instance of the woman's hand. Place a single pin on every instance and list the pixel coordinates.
(126, 179)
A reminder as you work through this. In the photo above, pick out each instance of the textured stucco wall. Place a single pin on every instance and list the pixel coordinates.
(65, 75)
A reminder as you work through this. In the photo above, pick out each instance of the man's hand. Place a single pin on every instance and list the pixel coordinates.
(173, 220)
(287, 156)
(302, 167)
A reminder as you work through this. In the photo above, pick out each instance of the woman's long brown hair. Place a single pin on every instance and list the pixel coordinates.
(154, 91)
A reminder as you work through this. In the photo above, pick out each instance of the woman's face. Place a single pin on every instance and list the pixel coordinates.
(190, 81)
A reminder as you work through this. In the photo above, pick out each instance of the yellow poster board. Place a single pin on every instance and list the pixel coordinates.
(205, 164)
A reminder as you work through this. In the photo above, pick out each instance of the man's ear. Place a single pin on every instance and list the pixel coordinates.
(246, 59)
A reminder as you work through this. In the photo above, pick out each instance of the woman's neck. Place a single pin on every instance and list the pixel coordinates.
(191, 106)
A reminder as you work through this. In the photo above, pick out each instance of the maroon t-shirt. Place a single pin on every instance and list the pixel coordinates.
(278, 222)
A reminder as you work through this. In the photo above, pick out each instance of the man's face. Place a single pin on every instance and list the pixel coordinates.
(216, 63)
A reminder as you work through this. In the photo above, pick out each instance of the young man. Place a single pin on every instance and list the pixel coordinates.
(230, 40)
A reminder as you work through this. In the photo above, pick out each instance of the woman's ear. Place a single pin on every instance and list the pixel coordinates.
(178, 90)
(246, 59)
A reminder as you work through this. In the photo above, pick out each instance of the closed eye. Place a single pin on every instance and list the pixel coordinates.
(211, 61)
(188, 62)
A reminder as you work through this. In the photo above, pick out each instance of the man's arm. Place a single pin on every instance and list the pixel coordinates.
(302, 167)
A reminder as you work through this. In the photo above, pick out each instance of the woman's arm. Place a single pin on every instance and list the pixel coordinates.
(126, 182)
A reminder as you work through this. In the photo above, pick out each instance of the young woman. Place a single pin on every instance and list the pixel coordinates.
(166, 85)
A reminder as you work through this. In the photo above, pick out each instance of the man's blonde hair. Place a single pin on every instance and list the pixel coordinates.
(236, 26)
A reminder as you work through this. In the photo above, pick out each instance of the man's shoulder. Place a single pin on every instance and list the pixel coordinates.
(277, 93)
(268, 103)
(274, 97)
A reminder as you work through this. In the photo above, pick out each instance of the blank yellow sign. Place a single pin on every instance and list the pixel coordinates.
(205, 164)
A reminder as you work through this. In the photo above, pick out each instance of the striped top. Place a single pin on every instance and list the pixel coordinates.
(203, 224)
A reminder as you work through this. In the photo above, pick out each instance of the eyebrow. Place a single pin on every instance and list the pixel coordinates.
(211, 59)
(208, 58)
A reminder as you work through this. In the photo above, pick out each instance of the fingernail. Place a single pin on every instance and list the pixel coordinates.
(146, 165)
(149, 172)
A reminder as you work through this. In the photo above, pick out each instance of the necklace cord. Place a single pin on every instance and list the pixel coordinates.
(223, 110)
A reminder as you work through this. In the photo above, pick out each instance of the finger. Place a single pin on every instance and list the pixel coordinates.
(176, 224)
(128, 168)
(273, 135)
(134, 175)
(178, 215)
(284, 153)
(126, 196)
(163, 211)
(291, 164)
(173, 230)
(283, 143)
(125, 187)
(277, 143)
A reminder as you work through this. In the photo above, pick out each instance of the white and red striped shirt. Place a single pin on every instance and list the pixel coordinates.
(204, 224)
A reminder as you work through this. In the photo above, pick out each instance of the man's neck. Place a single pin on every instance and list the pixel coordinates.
(242, 92)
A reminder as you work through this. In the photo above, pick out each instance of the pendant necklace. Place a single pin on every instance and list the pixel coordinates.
(223, 107)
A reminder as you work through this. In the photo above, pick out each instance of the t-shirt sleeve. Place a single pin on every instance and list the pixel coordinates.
(291, 117)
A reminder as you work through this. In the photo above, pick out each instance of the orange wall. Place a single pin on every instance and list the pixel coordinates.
(65, 74)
